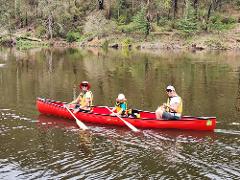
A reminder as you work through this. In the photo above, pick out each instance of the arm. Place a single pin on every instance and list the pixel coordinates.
(173, 107)
(77, 100)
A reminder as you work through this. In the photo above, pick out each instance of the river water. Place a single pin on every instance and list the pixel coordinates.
(34, 146)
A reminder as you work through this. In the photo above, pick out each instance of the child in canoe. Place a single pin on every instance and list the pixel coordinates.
(121, 109)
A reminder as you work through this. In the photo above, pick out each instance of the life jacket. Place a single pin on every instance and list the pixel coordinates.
(119, 108)
(83, 99)
(179, 109)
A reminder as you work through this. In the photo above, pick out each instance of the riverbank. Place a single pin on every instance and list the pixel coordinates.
(169, 40)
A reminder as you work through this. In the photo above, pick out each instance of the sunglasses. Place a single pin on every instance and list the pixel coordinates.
(168, 90)
(84, 85)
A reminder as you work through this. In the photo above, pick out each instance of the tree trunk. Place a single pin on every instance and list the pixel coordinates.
(100, 3)
(208, 15)
(26, 18)
(50, 19)
(195, 6)
(148, 18)
(209, 11)
(132, 6)
(175, 8)
(108, 6)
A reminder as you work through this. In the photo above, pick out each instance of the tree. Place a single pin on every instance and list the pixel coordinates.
(100, 3)
(50, 10)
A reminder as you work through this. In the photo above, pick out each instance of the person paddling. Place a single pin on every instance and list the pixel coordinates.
(173, 108)
(120, 106)
(84, 100)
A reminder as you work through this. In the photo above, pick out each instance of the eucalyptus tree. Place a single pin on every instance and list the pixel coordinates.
(51, 10)
(7, 21)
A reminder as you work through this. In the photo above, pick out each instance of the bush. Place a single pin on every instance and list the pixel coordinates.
(163, 21)
(189, 24)
(121, 20)
(73, 36)
(127, 28)
(141, 23)
(238, 3)
(40, 31)
(97, 24)
(219, 23)
(126, 42)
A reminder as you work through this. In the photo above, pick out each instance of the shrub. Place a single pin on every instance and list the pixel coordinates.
(163, 21)
(140, 21)
(188, 25)
(219, 23)
(40, 31)
(126, 42)
(73, 36)
(122, 19)
(97, 24)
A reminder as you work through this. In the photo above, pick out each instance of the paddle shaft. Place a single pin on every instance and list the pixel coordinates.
(79, 123)
(133, 128)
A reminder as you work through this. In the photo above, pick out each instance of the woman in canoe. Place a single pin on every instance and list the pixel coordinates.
(84, 100)
(173, 108)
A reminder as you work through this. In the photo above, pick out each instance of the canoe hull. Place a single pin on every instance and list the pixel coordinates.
(100, 115)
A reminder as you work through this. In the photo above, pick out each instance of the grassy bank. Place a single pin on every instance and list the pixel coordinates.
(155, 24)
(226, 40)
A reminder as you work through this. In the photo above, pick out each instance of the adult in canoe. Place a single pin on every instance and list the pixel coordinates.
(120, 106)
(84, 100)
(173, 108)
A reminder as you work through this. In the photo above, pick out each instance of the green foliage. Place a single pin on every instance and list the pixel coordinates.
(73, 36)
(122, 19)
(127, 28)
(162, 21)
(97, 24)
(189, 24)
(218, 23)
(105, 45)
(238, 3)
(27, 44)
(140, 22)
(40, 31)
(126, 42)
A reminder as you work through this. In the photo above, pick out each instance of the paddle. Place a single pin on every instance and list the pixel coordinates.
(133, 128)
(79, 123)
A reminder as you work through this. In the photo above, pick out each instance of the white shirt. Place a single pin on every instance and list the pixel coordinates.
(88, 94)
(174, 100)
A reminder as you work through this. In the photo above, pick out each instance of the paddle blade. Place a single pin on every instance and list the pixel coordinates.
(81, 125)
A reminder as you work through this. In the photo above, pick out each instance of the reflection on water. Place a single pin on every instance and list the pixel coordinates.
(35, 146)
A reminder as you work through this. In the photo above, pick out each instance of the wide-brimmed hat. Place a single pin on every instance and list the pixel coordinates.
(84, 84)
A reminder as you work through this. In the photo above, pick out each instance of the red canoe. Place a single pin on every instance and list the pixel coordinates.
(147, 120)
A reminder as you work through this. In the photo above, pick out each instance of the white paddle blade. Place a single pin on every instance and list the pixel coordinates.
(79, 123)
(133, 128)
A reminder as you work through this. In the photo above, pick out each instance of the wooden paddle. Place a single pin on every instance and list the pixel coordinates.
(79, 123)
(133, 128)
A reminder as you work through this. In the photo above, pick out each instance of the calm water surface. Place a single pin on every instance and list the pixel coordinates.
(35, 146)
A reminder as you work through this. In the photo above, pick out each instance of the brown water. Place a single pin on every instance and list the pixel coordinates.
(35, 146)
